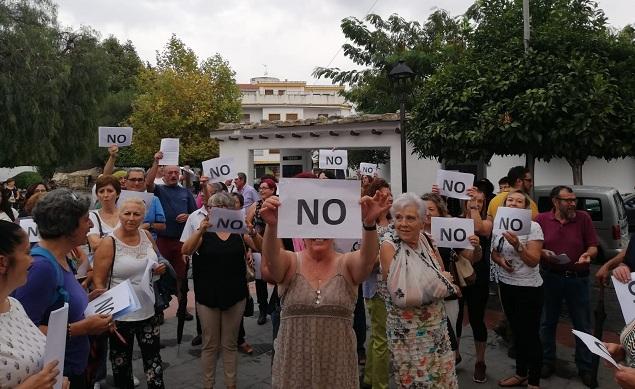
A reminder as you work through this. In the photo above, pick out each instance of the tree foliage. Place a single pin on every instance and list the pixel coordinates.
(181, 98)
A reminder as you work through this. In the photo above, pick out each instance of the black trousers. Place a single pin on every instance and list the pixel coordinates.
(475, 297)
(262, 296)
(523, 308)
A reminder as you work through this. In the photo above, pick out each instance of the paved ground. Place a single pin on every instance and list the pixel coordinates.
(182, 364)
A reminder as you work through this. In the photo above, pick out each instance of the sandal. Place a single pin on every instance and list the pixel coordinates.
(246, 348)
(513, 381)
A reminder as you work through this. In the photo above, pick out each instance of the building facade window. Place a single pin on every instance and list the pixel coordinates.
(268, 91)
(323, 115)
(246, 118)
(292, 116)
(274, 116)
(281, 92)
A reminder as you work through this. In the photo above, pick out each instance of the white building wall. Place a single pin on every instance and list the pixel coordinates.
(282, 111)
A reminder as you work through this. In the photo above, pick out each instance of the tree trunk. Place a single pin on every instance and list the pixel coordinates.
(530, 163)
(576, 167)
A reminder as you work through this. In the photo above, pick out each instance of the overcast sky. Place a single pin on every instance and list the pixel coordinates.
(289, 38)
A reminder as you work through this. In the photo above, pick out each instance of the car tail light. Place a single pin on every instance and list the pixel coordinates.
(617, 232)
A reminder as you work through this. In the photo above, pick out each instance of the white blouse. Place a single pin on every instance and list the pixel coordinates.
(22, 346)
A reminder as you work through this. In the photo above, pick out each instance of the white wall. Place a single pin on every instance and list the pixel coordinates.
(619, 173)
(282, 111)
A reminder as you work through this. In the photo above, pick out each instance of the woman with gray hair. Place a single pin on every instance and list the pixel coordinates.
(62, 220)
(414, 285)
(220, 289)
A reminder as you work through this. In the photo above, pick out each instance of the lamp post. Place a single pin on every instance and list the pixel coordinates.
(400, 74)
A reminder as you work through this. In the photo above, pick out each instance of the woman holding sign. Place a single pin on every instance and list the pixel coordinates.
(521, 292)
(316, 345)
(417, 327)
(131, 254)
(62, 220)
(21, 370)
(220, 288)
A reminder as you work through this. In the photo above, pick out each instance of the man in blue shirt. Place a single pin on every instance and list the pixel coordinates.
(249, 193)
(178, 203)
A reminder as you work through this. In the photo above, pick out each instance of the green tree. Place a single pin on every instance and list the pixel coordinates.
(181, 98)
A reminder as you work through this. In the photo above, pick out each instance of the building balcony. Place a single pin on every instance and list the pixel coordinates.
(303, 100)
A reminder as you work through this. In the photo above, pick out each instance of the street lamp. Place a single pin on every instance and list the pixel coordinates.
(400, 75)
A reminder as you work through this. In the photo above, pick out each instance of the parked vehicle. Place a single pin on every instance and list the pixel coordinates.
(629, 204)
(606, 208)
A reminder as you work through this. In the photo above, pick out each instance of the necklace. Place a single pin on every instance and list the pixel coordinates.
(318, 294)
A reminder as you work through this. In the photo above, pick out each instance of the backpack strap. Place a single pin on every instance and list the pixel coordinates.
(60, 291)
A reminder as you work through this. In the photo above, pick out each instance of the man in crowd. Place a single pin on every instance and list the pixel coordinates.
(519, 178)
(177, 203)
(566, 231)
(249, 193)
(503, 185)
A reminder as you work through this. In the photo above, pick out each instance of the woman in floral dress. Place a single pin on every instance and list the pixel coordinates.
(417, 336)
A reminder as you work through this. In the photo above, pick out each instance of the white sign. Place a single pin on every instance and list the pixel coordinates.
(56, 341)
(346, 245)
(219, 169)
(257, 263)
(514, 220)
(626, 296)
(146, 197)
(333, 159)
(319, 209)
(120, 136)
(118, 301)
(367, 169)
(595, 346)
(454, 184)
(29, 226)
(170, 150)
(227, 220)
(452, 232)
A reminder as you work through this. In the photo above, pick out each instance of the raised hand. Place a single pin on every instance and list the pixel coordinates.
(374, 207)
(269, 210)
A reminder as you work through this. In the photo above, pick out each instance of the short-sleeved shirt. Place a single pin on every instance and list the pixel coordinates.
(499, 201)
(249, 194)
(175, 201)
(34, 296)
(192, 223)
(522, 275)
(572, 238)
(22, 346)
(155, 214)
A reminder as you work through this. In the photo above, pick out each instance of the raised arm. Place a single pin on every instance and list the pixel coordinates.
(360, 263)
(194, 241)
(276, 259)
(152, 173)
(109, 167)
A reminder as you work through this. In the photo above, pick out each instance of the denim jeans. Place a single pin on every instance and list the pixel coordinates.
(575, 292)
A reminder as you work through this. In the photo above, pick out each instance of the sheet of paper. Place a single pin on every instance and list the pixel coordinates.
(134, 306)
(29, 226)
(227, 220)
(626, 297)
(596, 346)
(346, 245)
(147, 197)
(120, 136)
(454, 184)
(112, 302)
(257, 263)
(219, 169)
(367, 169)
(333, 159)
(514, 220)
(146, 281)
(452, 232)
(56, 341)
(170, 150)
(319, 209)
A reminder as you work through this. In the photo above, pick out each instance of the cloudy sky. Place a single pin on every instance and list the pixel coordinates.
(288, 38)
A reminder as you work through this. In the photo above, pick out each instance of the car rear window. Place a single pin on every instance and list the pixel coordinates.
(621, 212)
(592, 205)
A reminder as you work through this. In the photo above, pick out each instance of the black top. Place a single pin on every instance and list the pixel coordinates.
(481, 268)
(218, 269)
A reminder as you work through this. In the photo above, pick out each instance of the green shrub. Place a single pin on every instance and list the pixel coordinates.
(25, 179)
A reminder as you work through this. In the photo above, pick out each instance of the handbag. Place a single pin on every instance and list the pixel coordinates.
(464, 270)
(414, 278)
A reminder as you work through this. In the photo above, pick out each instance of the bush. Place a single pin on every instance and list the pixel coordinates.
(25, 179)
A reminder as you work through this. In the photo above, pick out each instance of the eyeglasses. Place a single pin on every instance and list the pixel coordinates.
(136, 179)
(263, 187)
(573, 200)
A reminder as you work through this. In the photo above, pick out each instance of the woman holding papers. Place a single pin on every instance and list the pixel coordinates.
(417, 330)
(316, 346)
(106, 219)
(21, 370)
(62, 220)
(220, 287)
(521, 292)
(130, 254)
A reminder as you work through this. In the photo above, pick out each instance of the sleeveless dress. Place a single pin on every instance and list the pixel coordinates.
(419, 343)
(627, 339)
(316, 345)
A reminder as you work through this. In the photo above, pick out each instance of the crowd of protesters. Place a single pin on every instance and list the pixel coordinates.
(321, 293)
